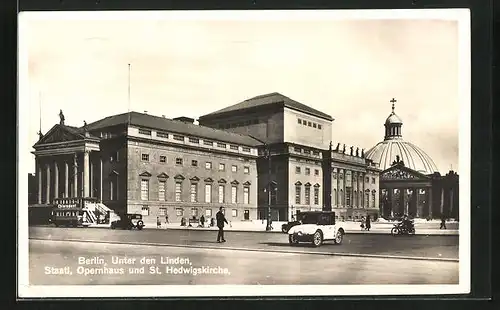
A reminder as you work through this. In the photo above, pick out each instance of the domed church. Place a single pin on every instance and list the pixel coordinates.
(410, 182)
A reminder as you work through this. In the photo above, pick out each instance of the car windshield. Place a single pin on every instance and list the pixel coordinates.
(309, 218)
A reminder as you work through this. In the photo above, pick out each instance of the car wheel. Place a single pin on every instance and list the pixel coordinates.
(139, 227)
(292, 239)
(339, 237)
(394, 231)
(317, 238)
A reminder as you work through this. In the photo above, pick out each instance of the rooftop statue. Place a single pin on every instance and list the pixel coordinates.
(61, 117)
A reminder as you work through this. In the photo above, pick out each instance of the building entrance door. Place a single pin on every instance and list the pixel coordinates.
(246, 215)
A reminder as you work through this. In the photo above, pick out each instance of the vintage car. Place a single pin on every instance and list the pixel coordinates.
(316, 227)
(286, 227)
(128, 221)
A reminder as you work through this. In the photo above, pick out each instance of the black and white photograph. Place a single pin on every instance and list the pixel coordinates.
(244, 153)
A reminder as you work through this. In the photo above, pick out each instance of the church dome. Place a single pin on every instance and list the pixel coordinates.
(394, 148)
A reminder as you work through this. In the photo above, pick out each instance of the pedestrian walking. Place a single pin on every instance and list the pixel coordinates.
(202, 221)
(368, 224)
(363, 220)
(443, 222)
(221, 219)
(166, 219)
(158, 222)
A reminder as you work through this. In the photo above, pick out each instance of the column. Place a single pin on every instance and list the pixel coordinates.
(417, 194)
(450, 211)
(100, 179)
(91, 186)
(39, 172)
(429, 190)
(47, 187)
(56, 180)
(75, 176)
(390, 192)
(66, 179)
(441, 206)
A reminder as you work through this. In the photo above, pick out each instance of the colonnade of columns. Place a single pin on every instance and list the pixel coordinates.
(50, 167)
(413, 201)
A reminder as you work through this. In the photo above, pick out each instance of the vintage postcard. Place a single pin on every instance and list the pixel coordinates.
(276, 153)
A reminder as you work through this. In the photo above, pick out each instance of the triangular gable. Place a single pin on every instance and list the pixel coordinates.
(179, 177)
(145, 174)
(222, 181)
(400, 172)
(316, 185)
(163, 175)
(194, 179)
(307, 184)
(298, 183)
(59, 133)
(247, 183)
(209, 180)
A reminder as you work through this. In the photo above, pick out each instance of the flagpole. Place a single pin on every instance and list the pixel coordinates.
(129, 94)
(40, 108)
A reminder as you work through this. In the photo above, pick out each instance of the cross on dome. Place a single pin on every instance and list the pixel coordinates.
(393, 101)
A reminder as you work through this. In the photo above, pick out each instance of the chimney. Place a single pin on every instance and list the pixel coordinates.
(184, 119)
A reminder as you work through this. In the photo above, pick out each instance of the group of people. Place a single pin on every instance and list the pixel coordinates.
(366, 223)
(220, 218)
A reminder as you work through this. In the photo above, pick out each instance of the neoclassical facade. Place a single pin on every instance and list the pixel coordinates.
(267, 150)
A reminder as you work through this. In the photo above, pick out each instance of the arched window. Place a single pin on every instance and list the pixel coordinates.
(367, 199)
(374, 197)
(342, 197)
(334, 196)
(355, 199)
(360, 198)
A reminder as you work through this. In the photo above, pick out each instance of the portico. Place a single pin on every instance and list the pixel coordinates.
(64, 160)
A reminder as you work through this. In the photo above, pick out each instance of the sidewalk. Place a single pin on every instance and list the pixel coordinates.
(258, 226)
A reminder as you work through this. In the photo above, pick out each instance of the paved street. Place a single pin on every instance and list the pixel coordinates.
(437, 247)
(232, 267)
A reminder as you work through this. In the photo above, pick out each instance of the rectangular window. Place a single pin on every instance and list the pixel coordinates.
(194, 163)
(161, 190)
(162, 211)
(246, 195)
(316, 196)
(194, 140)
(179, 211)
(194, 192)
(314, 125)
(208, 165)
(245, 149)
(234, 168)
(163, 159)
(145, 210)
(308, 171)
(308, 195)
(178, 137)
(367, 199)
(233, 147)
(297, 194)
(319, 126)
(145, 157)
(194, 212)
(208, 193)
(373, 199)
(299, 121)
(178, 191)
(234, 194)
(246, 170)
(144, 189)
(145, 132)
(373, 180)
(315, 153)
(234, 213)
(222, 167)
(161, 134)
(207, 142)
(208, 212)
(309, 124)
(178, 161)
(297, 169)
(221, 194)
(316, 172)
(221, 145)
(297, 149)
(348, 196)
(367, 180)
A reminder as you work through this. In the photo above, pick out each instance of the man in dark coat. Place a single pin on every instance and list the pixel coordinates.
(368, 224)
(221, 219)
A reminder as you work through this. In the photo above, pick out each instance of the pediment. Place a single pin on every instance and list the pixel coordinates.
(145, 174)
(222, 181)
(163, 175)
(316, 185)
(59, 133)
(399, 172)
(307, 184)
(298, 183)
(247, 183)
(179, 177)
(209, 180)
(235, 182)
(194, 179)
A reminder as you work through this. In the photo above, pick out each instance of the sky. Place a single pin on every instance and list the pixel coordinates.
(350, 69)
